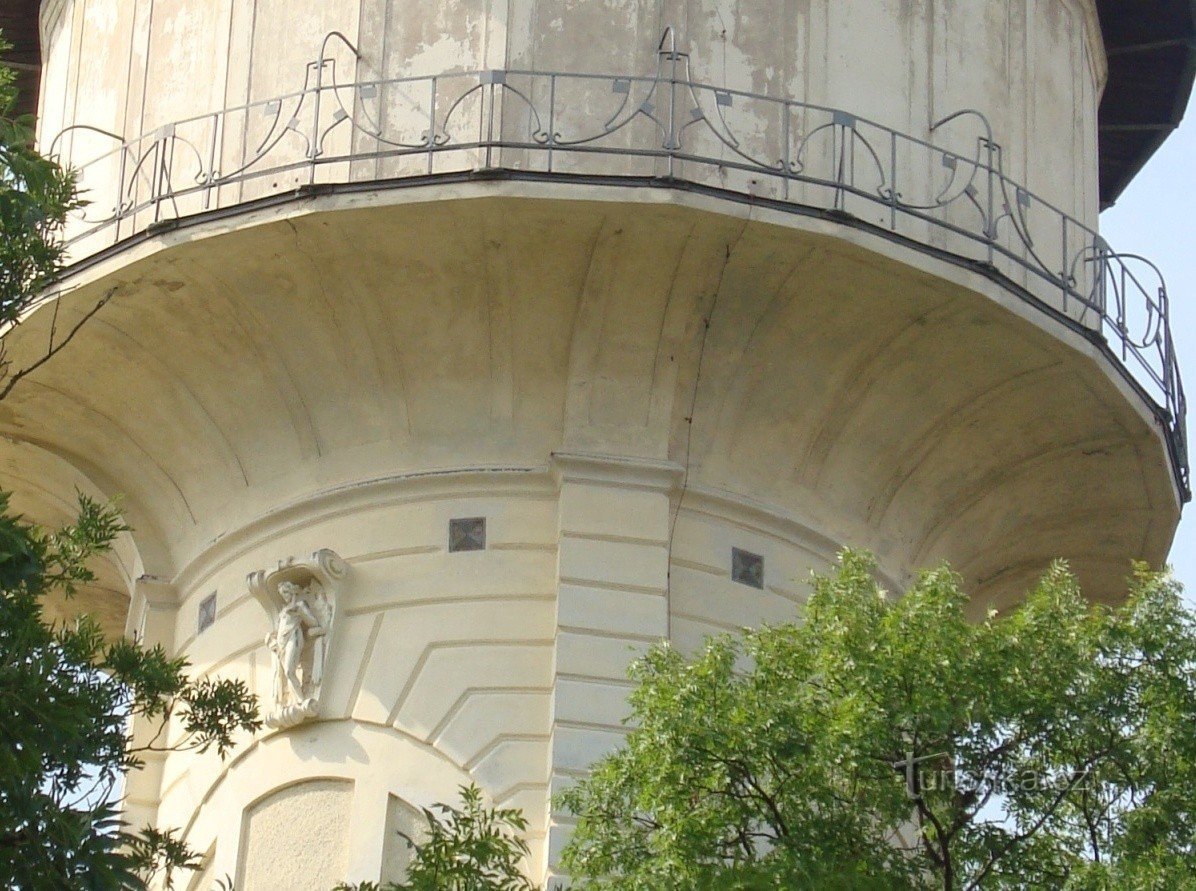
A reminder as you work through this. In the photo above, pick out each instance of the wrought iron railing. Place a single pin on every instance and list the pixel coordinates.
(948, 191)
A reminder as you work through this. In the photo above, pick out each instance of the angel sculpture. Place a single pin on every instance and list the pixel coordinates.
(301, 597)
(299, 644)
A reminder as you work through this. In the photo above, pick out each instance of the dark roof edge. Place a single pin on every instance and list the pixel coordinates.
(1168, 82)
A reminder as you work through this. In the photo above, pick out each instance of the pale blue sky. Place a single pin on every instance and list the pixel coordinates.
(1154, 218)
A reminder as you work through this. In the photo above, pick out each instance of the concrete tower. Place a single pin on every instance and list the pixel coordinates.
(454, 352)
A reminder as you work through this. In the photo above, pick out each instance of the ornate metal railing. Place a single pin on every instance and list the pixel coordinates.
(948, 192)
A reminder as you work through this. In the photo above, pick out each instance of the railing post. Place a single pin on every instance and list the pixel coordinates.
(893, 180)
(120, 189)
(1170, 386)
(431, 122)
(1064, 274)
(211, 173)
(990, 212)
(551, 117)
(1123, 324)
(786, 108)
(672, 112)
(1098, 293)
(1100, 270)
(837, 159)
(843, 123)
(482, 116)
(489, 118)
(314, 151)
(156, 181)
(1169, 377)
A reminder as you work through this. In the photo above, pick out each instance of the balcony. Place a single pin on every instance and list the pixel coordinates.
(945, 193)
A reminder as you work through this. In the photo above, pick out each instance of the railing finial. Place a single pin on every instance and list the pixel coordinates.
(50, 151)
(343, 39)
(968, 112)
(667, 48)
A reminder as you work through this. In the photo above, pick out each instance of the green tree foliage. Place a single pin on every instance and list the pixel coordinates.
(470, 848)
(68, 696)
(36, 196)
(892, 743)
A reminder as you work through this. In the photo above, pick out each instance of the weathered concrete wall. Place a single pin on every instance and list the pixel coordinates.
(445, 654)
(297, 835)
(1033, 69)
(505, 667)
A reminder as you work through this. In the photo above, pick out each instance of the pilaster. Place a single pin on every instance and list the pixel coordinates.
(152, 615)
(612, 604)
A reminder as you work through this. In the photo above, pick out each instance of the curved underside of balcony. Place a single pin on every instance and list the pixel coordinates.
(876, 394)
(45, 489)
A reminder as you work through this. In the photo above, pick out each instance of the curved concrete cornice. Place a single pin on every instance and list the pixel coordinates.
(982, 395)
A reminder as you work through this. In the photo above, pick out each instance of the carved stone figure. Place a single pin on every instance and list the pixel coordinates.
(300, 632)
(302, 599)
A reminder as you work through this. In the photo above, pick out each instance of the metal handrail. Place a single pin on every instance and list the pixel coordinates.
(666, 125)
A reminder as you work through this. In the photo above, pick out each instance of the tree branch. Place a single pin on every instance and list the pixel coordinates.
(54, 349)
(1059, 798)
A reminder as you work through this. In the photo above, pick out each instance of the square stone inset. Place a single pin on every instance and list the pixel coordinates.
(747, 568)
(467, 534)
(207, 613)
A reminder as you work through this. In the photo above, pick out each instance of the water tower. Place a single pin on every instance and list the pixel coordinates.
(453, 353)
